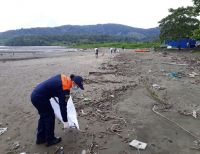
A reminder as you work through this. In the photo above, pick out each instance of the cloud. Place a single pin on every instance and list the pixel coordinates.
(42, 13)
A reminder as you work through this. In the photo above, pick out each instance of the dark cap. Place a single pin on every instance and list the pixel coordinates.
(79, 81)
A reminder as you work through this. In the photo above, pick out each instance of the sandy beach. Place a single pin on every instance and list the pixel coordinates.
(128, 95)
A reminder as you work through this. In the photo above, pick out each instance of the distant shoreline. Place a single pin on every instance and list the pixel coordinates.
(12, 53)
(34, 49)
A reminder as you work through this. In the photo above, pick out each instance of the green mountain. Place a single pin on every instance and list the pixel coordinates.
(88, 33)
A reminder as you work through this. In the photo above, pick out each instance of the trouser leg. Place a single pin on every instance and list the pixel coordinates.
(41, 129)
(46, 123)
(49, 127)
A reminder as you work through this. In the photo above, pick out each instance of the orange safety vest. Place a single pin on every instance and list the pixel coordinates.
(66, 82)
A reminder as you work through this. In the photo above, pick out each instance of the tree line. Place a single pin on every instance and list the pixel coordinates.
(68, 40)
(181, 23)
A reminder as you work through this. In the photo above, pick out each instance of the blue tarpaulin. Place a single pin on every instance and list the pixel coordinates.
(181, 43)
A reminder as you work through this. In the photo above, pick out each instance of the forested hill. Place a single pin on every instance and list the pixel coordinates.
(115, 32)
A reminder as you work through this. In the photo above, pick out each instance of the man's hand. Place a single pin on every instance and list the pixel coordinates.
(66, 125)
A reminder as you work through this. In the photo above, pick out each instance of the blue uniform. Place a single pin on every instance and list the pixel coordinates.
(57, 86)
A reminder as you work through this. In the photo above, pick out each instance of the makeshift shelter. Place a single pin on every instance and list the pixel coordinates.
(181, 43)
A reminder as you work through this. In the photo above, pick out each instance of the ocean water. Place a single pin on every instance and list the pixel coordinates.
(35, 49)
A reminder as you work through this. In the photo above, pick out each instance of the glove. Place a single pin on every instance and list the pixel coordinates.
(66, 125)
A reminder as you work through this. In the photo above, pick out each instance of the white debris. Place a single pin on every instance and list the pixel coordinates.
(83, 152)
(86, 99)
(15, 145)
(83, 113)
(157, 87)
(174, 64)
(194, 114)
(3, 130)
(193, 74)
(138, 144)
(112, 96)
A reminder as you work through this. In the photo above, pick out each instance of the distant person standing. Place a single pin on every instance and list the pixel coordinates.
(96, 50)
(111, 50)
(123, 48)
(114, 50)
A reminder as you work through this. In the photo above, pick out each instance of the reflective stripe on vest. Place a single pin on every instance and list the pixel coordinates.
(66, 82)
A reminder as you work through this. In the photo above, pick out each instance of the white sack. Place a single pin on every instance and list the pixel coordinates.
(71, 112)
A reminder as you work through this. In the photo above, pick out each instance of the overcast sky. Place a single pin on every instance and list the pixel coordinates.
(15, 14)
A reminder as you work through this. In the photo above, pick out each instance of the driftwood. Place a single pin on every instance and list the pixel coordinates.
(101, 73)
(90, 81)
(115, 130)
(175, 64)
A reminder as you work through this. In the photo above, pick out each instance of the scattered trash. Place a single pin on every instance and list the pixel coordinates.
(23, 153)
(195, 82)
(8, 138)
(193, 74)
(162, 70)
(83, 113)
(15, 145)
(138, 144)
(194, 114)
(100, 73)
(3, 130)
(149, 71)
(61, 150)
(175, 64)
(83, 152)
(174, 75)
(99, 111)
(112, 96)
(189, 113)
(86, 99)
(197, 142)
(196, 145)
(100, 136)
(185, 112)
(157, 87)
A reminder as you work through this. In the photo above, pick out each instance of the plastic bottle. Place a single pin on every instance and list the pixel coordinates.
(61, 150)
